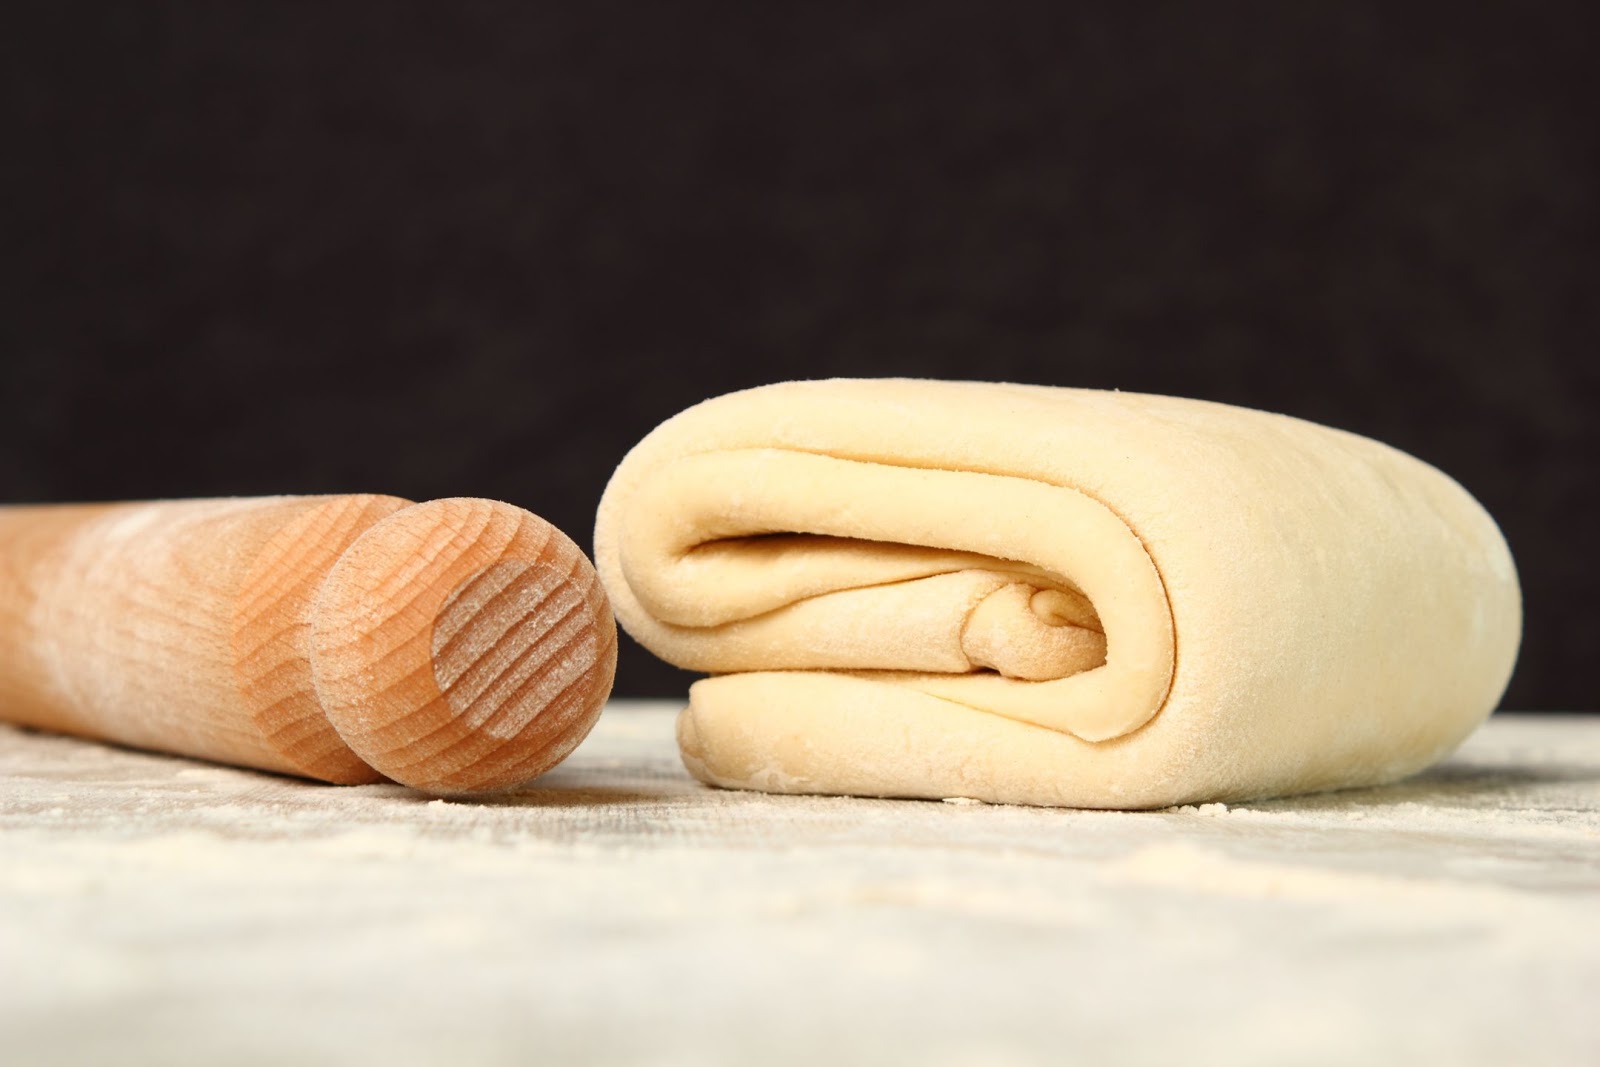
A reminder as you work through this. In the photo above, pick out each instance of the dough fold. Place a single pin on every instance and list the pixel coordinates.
(1033, 595)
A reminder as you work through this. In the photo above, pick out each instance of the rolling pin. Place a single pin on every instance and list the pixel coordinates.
(457, 646)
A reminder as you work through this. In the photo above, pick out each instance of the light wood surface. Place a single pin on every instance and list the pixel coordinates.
(456, 646)
(159, 910)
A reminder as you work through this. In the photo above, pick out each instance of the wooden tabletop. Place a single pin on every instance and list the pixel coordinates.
(158, 910)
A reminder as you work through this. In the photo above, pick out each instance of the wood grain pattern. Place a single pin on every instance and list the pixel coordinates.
(195, 626)
(271, 638)
(121, 620)
(463, 645)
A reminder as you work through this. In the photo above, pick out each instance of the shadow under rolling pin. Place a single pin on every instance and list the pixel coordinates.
(457, 646)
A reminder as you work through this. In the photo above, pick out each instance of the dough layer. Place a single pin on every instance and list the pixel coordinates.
(1052, 596)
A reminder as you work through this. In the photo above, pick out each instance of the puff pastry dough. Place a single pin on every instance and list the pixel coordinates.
(1052, 596)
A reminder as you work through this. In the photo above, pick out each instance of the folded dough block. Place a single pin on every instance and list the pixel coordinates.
(1052, 596)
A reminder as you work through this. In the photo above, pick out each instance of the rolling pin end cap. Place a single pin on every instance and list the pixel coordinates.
(463, 646)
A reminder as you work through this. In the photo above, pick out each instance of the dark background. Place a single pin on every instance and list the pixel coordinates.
(480, 249)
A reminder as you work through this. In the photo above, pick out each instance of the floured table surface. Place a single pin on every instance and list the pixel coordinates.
(158, 910)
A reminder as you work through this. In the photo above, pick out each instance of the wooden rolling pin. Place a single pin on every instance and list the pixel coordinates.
(457, 646)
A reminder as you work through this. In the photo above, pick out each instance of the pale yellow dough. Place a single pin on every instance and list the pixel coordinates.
(1050, 596)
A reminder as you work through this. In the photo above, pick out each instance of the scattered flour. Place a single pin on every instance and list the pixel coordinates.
(618, 901)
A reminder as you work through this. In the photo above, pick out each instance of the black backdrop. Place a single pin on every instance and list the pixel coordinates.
(437, 249)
